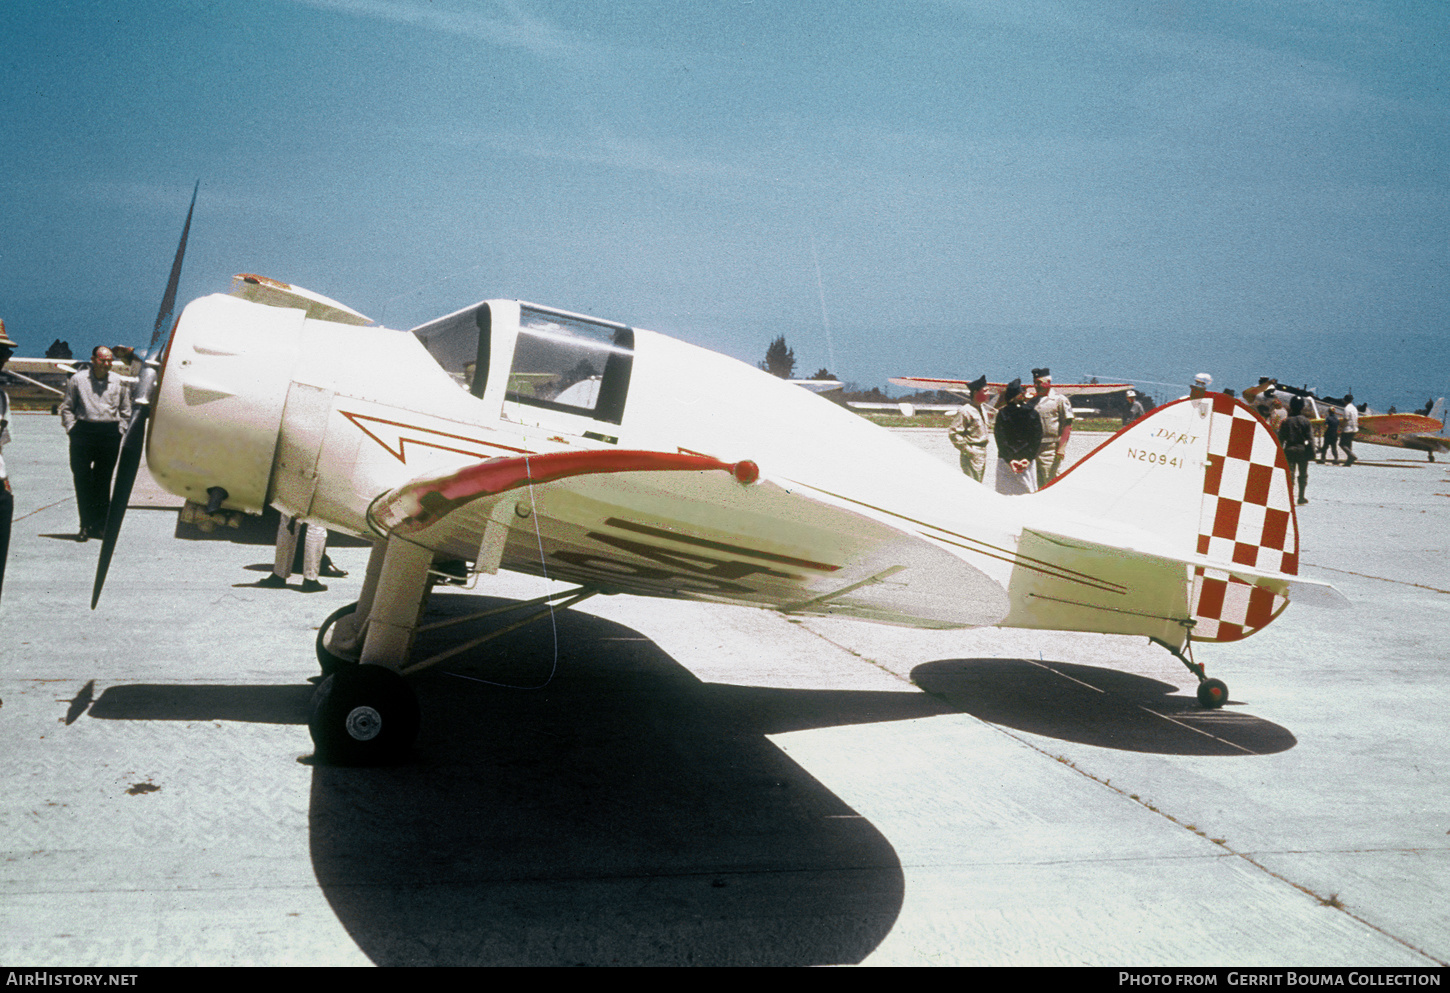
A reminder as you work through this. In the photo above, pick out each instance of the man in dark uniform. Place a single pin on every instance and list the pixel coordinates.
(1296, 435)
(96, 408)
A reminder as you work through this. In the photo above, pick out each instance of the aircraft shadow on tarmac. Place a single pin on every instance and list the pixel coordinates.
(1114, 709)
(624, 813)
(628, 813)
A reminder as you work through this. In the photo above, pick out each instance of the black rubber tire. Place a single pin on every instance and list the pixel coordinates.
(1212, 694)
(331, 663)
(363, 715)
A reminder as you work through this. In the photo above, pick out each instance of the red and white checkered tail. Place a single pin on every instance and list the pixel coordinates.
(1203, 482)
(1247, 520)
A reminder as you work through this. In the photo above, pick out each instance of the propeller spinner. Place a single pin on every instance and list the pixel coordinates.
(133, 443)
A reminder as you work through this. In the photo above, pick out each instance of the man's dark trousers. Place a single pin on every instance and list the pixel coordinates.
(7, 511)
(94, 446)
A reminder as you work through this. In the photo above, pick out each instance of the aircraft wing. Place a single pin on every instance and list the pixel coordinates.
(10, 371)
(686, 526)
(963, 387)
(819, 385)
(37, 367)
(1398, 424)
(950, 385)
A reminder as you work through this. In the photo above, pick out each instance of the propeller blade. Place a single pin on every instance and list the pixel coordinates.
(128, 463)
(168, 299)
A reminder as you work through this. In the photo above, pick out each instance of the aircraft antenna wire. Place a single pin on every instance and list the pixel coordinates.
(553, 622)
(825, 321)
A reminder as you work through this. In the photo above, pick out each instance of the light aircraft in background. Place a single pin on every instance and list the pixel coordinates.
(962, 387)
(509, 435)
(1421, 432)
(1419, 436)
(37, 382)
(33, 382)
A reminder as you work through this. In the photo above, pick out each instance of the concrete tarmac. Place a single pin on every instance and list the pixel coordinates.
(673, 783)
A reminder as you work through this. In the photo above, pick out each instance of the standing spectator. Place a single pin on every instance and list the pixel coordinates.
(1018, 432)
(1331, 434)
(1055, 411)
(314, 551)
(1348, 428)
(96, 408)
(1296, 435)
(1135, 409)
(1277, 414)
(968, 431)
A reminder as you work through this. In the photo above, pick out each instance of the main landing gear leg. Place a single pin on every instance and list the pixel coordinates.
(366, 713)
(1212, 693)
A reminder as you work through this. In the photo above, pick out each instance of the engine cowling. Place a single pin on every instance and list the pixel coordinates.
(222, 393)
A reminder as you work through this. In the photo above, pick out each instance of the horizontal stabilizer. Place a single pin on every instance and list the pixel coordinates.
(1297, 588)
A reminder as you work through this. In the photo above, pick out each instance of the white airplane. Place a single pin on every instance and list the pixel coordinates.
(509, 435)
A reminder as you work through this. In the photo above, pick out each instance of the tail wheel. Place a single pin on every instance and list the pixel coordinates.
(363, 715)
(330, 661)
(1212, 694)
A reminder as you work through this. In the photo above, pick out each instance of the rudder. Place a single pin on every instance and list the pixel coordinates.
(1196, 479)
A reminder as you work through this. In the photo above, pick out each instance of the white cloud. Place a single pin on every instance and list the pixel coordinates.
(511, 27)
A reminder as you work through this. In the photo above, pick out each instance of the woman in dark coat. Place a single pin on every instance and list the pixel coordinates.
(1018, 433)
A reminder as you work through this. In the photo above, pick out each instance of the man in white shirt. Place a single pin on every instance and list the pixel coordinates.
(96, 409)
(1348, 428)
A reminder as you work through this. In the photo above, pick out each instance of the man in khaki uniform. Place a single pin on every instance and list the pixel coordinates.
(968, 431)
(1056, 413)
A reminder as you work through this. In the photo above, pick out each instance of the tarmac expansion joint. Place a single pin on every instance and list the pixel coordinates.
(1332, 901)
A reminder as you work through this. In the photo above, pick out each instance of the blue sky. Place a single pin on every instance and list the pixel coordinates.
(1144, 190)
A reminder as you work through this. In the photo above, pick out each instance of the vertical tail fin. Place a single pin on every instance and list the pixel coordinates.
(1203, 481)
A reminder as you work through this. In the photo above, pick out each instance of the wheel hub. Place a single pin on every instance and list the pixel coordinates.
(364, 723)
